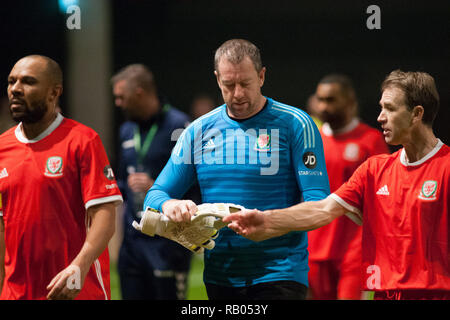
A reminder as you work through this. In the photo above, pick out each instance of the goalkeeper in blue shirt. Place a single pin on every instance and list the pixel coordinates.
(249, 151)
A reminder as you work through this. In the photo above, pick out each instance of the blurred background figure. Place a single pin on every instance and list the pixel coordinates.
(6, 120)
(149, 267)
(335, 249)
(312, 109)
(201, 104)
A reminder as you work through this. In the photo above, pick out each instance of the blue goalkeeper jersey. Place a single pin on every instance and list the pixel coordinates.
(272, 160)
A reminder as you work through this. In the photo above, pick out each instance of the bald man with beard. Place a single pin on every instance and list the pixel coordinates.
(57, 194)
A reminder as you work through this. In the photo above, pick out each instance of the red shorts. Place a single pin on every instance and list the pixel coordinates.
(334, 279)
(412, 295)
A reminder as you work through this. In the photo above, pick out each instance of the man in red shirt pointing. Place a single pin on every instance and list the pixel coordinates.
(58, 195)
(335, 249)
(401, 199)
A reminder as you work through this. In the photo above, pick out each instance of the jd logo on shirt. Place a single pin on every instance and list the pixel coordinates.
(108, 172)
(309, 160)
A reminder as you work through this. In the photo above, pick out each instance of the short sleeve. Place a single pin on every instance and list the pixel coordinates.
(98, 182)
(351, 194)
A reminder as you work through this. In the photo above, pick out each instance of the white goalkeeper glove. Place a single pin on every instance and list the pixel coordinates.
(194, 235)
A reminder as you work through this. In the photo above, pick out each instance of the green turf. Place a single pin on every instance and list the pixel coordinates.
(196, 288)
(195, 291)
(115, 284)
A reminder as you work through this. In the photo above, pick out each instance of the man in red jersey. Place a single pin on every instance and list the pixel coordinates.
(58, 195)
(402, 199)
(335, 249)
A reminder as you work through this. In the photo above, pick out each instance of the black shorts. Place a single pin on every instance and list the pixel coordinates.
(275, 290)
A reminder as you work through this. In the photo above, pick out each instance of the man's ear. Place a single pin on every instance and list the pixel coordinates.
(262, 76)
(138, 91)
(217, 77)
(417, 113)
(56, 92)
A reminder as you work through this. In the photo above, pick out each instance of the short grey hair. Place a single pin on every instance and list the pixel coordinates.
(136, 75)
(235, 50)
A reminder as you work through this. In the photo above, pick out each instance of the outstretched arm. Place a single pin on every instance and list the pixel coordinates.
(261, 225)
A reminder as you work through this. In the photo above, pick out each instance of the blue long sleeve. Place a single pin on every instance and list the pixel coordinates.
(173, 182)
(176, 178)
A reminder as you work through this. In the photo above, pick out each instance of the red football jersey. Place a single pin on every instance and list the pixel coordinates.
(405, 212)
(344, 152)
(46, 186)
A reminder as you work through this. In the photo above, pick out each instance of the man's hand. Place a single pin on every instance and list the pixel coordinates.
(67, 284)
(179, 210)
(140, 182)
(250, 224)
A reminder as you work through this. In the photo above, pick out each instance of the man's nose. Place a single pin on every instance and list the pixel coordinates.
(322, 106)
(381, 117)
(16, 89)
(238, 92)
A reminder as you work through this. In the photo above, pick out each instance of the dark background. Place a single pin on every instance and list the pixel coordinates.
(300, 42)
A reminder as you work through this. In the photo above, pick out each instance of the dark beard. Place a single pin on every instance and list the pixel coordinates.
(335, 120)
(31, 115)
